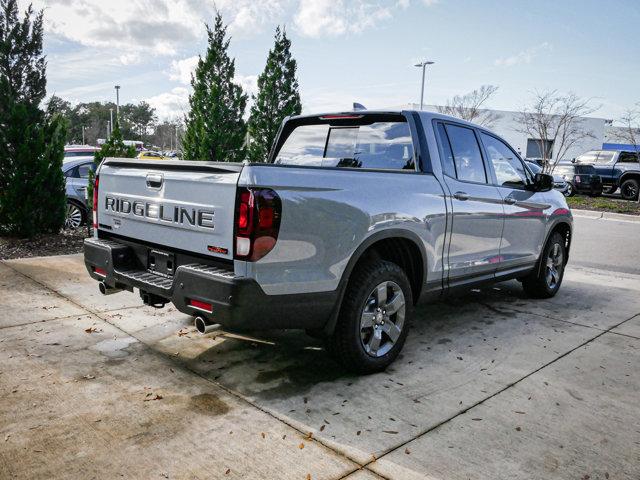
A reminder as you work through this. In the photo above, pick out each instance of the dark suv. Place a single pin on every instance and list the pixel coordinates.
(580, 179)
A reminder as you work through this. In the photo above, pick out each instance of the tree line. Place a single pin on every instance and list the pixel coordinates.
(33, 133)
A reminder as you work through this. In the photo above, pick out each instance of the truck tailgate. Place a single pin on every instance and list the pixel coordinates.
(175, 204)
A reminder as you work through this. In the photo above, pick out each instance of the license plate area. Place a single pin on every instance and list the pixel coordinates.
(162, 263)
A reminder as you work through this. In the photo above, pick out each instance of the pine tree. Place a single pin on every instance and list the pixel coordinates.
(277, 98)
(215, 129)
(32, 190)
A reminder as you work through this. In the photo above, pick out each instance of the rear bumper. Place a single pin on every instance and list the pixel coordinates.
(238, 302)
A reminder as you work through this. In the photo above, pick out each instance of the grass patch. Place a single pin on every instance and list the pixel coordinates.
(604, 204)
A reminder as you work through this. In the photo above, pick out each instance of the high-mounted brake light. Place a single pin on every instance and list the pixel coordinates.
(340, 117)
(95, 202)
(258, 213)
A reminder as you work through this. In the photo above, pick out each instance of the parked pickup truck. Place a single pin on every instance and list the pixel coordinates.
(352, 220)
(617, 168)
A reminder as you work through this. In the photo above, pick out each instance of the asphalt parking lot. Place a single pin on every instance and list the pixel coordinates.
(490, 385)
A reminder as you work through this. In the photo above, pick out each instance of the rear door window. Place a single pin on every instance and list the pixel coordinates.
(466, 154)
(379, 145)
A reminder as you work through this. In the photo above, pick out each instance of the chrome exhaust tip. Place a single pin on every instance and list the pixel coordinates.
(107, 290)
(205, 326)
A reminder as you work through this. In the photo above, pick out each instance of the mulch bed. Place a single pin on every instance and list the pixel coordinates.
(604, 204)
(63, 243)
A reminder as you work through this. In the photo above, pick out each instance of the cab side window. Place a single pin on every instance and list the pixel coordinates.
(510, 171)
(466, 154)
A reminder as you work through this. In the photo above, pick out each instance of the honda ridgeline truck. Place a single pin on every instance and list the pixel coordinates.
(352, 219)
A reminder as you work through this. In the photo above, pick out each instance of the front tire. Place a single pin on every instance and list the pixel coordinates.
(374, 318)
(545, 280)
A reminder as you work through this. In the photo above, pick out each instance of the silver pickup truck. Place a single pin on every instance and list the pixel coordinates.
(352, 220)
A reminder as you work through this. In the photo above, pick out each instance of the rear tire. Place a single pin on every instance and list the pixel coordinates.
(629, 189)
(545, 280)
(374, 318)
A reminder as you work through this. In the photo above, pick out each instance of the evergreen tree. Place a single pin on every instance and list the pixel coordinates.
(277, 98)
(32, 190)
(215, 129)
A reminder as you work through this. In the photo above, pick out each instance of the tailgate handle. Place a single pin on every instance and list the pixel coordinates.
(154, 180)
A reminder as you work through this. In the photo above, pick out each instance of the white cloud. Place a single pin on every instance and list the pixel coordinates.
(319, 18)
(172, 104)
(181, 70)
(249, 83)
(523, 57)
(143, 28)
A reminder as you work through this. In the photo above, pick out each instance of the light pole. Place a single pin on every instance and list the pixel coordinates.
(111, 119)
(423, 65)
(83, 135)
(117, 103)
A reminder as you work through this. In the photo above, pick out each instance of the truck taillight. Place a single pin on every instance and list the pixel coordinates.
(258, 213)
(95, 202)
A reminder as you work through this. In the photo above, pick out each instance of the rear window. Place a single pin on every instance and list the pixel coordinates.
(585, 170)
(378, 145)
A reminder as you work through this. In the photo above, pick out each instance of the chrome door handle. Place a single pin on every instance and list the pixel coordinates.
(461, 196)
(510, 201)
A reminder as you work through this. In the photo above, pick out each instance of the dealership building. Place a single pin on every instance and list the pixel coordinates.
(604, 134)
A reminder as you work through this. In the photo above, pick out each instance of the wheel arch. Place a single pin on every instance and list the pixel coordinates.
(398, 246)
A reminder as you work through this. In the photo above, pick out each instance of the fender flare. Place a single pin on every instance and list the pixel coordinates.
(552, 228)
(358, 254)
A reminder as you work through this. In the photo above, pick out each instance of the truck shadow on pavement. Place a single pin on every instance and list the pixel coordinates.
(465, 334)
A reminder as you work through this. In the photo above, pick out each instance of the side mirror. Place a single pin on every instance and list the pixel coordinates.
(543, 182)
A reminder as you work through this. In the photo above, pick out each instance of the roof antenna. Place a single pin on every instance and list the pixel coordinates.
(358, 106)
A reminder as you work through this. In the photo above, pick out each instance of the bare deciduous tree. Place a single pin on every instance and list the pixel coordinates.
(629, 133)
(555, 121)
(469, 106)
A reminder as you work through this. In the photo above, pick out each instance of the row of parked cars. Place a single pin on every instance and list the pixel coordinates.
(598, 171)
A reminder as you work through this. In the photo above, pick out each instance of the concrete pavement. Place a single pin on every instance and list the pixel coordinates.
(490, 385)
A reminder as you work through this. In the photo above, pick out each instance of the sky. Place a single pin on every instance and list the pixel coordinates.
(351, 50)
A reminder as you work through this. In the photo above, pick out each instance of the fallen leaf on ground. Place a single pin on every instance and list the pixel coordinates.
(301, 446)
(322, 427)
(154, 397)
(182, 332)
(407, 451)
(476, 419)
(264, 435)
(92, 329)
(393, 432)
(518, 429)
(228, 471)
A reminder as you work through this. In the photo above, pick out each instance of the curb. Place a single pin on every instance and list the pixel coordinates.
(605, 215)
